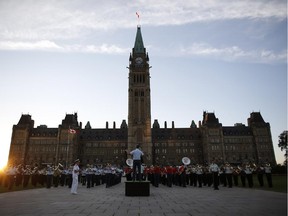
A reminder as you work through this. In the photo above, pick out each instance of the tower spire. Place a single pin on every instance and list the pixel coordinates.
(139, 45)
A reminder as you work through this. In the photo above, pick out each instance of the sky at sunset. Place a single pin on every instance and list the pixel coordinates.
(60, 57)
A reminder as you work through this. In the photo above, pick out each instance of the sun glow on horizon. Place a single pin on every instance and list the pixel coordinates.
(3, 161)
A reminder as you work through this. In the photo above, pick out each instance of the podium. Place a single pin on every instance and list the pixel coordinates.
(137, 188)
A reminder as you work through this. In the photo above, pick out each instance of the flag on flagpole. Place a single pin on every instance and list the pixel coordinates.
(72, 131)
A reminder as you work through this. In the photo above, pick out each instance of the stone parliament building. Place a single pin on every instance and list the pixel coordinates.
(202, 143)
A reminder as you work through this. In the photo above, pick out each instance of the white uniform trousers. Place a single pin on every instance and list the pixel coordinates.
(74, 184)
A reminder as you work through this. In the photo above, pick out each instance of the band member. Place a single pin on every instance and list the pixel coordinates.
(242, 175)
(128, 173)
(222, 176)
(193, 180)
(146, 173)
(249, 171)
(235, 175)
(49, 176)
(34, 176)
(19, 175)
(26, 175)
(169, 171)
(11, 173)
(63, 177)
(260, 172)
(157, 173)
(182, 173)
(268, 173)
(151, 174)
(57, 175)
(199, 172)
(228, 172)
(75, 174)
(143, 172)
(215, 170)
(137, 154)
(163, 177)
(89, 175)
(175, 175)
(209, 176)
(188, 172)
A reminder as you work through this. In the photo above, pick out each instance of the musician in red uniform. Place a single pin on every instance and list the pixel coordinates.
(157, 172)
(169, 172)
(145, 173)
(175, 175)
(128, 173)
(182, 173)
(151, 174)
(163, 178)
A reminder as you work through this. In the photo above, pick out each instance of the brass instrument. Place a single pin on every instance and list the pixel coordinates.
(253, 166)
(186, 161)
(237, 170)
(58, 170)
(129, 162)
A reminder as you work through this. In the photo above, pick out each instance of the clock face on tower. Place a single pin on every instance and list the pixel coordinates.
(138, 60)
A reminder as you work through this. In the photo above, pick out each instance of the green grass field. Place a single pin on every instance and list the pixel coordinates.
(279, 183)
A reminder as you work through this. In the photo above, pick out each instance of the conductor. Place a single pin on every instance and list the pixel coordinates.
(136, 156)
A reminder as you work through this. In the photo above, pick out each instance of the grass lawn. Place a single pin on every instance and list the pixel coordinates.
(279, 183)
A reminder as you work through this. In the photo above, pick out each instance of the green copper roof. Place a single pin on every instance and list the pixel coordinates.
(139, 46)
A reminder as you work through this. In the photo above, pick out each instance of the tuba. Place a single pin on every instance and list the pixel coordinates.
(186, 161)
(129, 162)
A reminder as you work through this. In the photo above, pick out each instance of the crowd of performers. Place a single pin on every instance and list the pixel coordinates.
(184, 175)
(204, 175)
(54, 176)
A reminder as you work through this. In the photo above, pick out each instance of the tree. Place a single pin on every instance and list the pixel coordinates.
(283, 144)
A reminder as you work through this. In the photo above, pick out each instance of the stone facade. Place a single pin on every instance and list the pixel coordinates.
(203, 143)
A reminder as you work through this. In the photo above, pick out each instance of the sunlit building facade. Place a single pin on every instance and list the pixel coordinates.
(203, 142)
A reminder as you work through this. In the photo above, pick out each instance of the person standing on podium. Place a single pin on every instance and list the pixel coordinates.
(136, 156)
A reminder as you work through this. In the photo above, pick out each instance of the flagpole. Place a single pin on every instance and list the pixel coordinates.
(138, 16)
(67, 147)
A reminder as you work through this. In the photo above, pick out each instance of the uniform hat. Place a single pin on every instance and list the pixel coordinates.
(76, 161)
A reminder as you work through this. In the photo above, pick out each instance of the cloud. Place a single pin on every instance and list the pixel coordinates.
(55, 25)
(38, 20)
(50, 46)
(38, 45)
(233, 53)
(183, 12)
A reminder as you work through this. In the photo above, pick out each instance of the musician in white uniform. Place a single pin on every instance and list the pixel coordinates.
(214, 168)
(268, 171)
(75, 174)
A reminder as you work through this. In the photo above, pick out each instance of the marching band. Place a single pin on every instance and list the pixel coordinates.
(199, 175)
(185, 174)
(48, 175)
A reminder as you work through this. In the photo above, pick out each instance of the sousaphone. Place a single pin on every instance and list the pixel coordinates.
(186, 160)
(129, 162)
